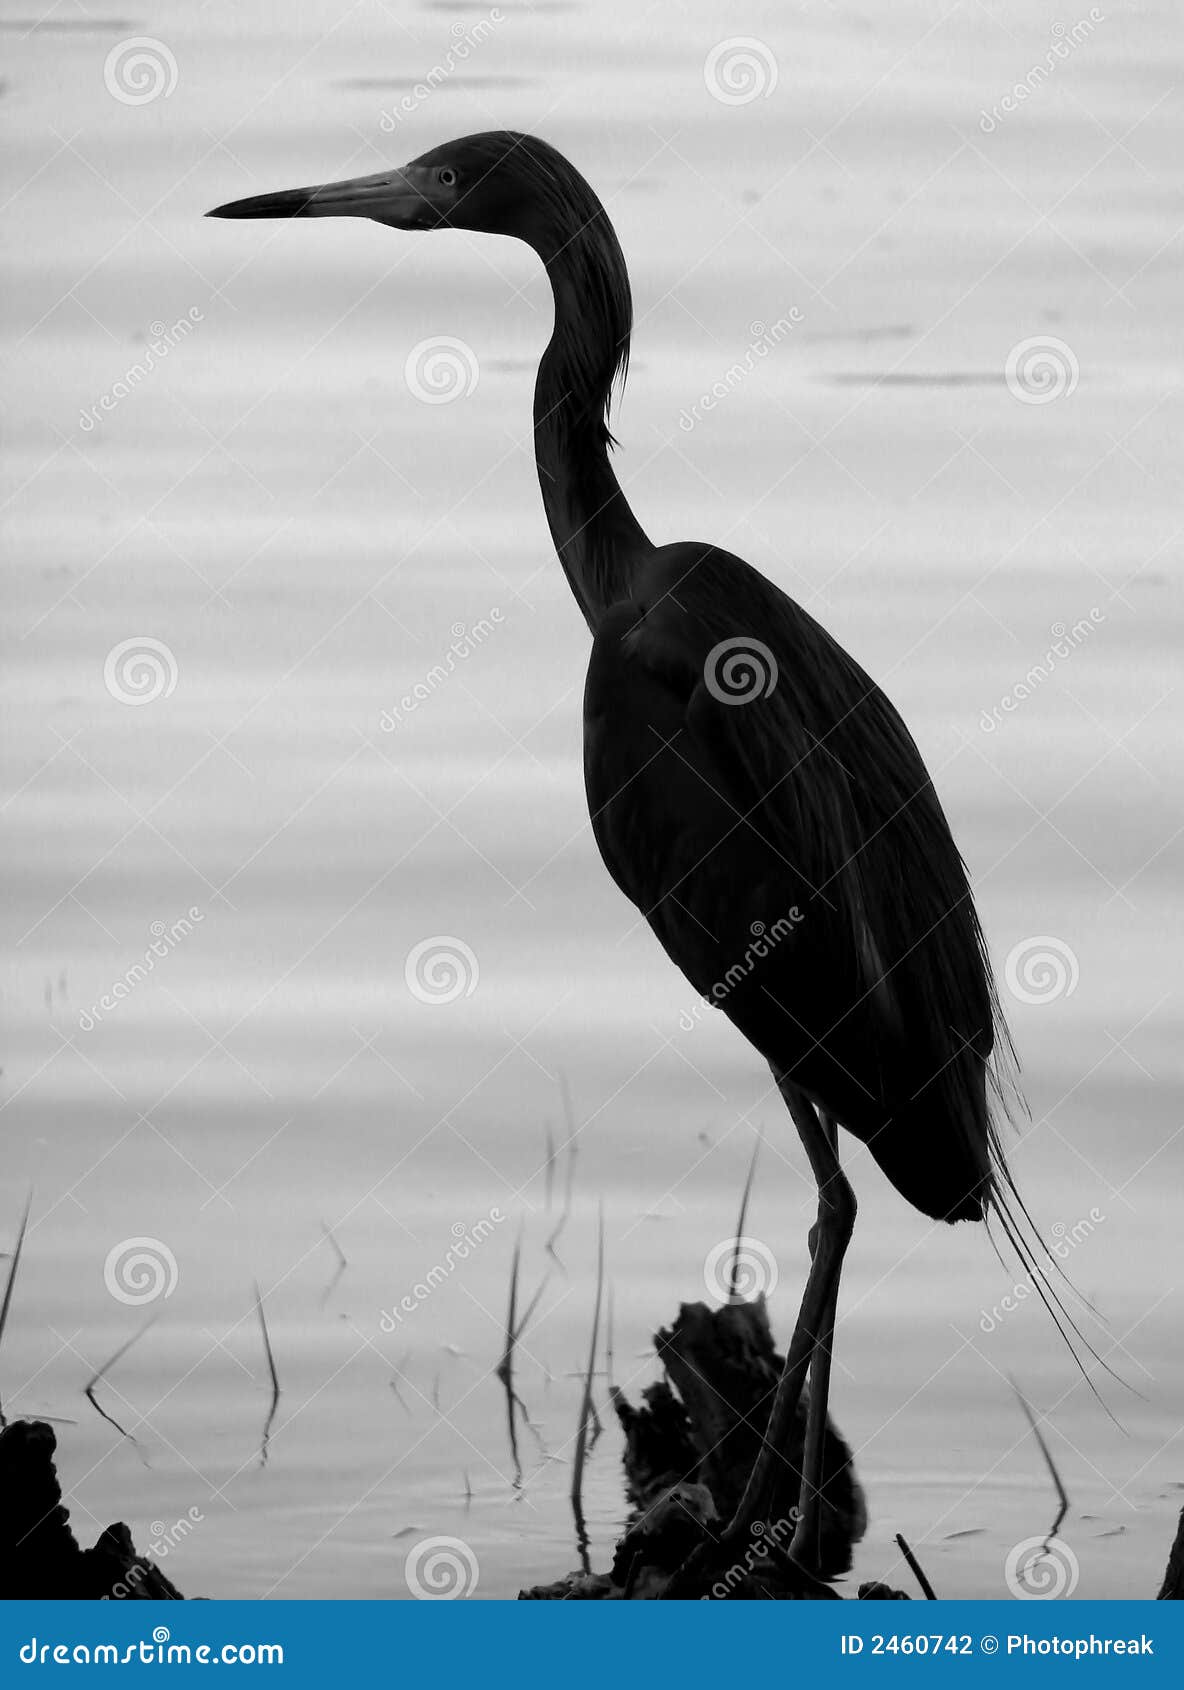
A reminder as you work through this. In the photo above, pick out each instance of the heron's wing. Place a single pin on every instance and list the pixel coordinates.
(721, 819)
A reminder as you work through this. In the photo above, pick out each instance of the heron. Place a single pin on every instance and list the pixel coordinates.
(752, 791)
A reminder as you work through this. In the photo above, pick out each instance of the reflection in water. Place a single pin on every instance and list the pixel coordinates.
(274, 1403)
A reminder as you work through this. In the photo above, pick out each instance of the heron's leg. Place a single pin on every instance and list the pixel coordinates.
(828, 1242)
(836, 1217)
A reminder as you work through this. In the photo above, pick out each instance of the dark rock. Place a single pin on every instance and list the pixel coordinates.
(40, 1557)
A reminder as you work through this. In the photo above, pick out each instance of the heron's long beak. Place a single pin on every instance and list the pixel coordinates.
(390, 197)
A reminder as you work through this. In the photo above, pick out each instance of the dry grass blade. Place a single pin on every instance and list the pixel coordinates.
(549, 1167)
(530, 1308)
(587, 1411)
(608, 1337)
(11, 1281)
(734, 1272)
(1062, 1493)
(504, 1370)
(275, 1379)
(101, 1373)
(342, 1261)
(916, 1568)
(505, 1367)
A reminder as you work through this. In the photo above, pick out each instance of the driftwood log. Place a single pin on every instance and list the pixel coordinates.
(39, 1555)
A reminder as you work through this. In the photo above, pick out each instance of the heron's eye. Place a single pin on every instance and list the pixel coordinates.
(448, 176)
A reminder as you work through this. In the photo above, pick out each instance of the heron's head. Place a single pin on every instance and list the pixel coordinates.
(503, 183)
(499, 183)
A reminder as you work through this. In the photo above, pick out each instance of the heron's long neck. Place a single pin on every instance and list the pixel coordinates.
(599, 540)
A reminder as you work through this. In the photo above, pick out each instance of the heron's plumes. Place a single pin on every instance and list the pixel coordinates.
(520, 185)
(1007, 1211)
(590, 348)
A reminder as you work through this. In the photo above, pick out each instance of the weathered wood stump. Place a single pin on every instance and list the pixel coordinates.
(39, 1554)
(1172, 1589)
(689, 1449)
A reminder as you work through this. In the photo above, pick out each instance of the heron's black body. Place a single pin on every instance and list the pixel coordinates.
(790, 854)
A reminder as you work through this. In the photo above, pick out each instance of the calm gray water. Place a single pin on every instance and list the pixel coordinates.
(307, 539)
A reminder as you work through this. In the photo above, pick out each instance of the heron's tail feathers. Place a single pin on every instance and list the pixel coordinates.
(1006, 1213)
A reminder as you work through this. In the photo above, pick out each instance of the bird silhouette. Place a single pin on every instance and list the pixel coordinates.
(752, 791)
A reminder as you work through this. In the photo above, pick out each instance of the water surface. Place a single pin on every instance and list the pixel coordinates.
(308, 540)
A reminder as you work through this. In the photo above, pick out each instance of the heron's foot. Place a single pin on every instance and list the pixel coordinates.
(806, 1548)
(687, 1581)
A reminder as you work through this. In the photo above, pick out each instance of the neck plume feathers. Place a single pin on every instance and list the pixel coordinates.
(597, 537)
